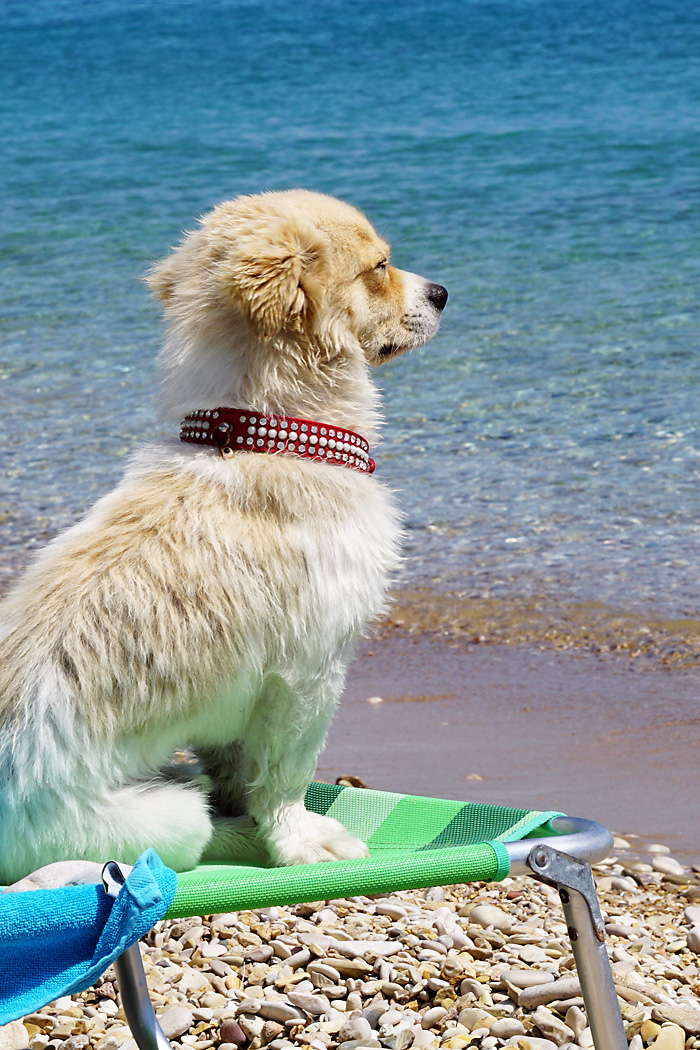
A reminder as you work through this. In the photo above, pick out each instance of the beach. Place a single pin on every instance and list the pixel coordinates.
(590, 734)
(481, 966)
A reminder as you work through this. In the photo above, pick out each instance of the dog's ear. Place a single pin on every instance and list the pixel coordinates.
(162, 278)
(275, 274)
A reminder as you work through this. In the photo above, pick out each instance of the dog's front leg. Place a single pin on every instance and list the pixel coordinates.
(279, 760)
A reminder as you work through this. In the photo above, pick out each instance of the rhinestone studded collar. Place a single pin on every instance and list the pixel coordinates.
(239, 430)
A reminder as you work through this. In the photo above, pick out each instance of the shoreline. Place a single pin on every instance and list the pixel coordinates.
(549, 622)
(589, 734)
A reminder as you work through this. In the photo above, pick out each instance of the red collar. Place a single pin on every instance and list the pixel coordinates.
(239, 430)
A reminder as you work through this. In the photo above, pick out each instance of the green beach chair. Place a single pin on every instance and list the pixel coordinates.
(414, 842)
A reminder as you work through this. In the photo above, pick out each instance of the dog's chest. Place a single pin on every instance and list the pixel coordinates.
(317, 567)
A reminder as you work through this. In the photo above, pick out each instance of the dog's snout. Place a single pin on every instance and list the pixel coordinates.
(437, 295)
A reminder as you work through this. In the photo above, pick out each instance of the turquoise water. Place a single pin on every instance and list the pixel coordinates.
(538, 158)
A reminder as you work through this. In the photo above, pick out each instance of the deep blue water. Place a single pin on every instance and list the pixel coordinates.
(538, 157)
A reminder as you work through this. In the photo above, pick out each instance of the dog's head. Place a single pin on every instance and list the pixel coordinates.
(296, 269)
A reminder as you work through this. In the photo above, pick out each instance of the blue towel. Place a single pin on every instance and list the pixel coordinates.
(58, 942)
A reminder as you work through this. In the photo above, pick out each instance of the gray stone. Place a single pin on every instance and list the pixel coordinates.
(683, 1012)
(374, 1011)
(277, 1010)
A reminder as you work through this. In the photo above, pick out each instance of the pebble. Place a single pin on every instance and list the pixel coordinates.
(693, 940)
(310, 1004)
(526, 978)
(356, 1028)
(487, 915)
(175, 1021)
(552, 1027)
(280, 1011)
(671, 1037)
(251, 1027)
(473, 1018)
(271, 1030)
(431, 1017)
(539, 994)
(576, 1020)
(14, 1036)
(684, 1012)
(392, 909)
(667, 865)
(505, 1027)
(231, 1032)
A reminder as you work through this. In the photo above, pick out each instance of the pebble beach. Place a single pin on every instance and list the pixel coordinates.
(483, 966)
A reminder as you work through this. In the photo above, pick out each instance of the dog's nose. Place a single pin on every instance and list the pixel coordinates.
(437, 295)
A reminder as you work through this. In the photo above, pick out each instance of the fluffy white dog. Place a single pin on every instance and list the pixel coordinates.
(214, 596)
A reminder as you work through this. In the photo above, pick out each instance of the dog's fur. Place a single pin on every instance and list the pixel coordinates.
(208, 601)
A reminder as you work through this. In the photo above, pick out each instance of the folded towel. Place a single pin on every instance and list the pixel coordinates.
(58, 942)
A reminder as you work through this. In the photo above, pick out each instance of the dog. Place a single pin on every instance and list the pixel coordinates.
(213, 598)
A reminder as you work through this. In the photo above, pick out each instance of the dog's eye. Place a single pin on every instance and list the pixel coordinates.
(382, 265)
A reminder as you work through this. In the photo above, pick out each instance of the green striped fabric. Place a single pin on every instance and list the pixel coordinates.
(413, 842)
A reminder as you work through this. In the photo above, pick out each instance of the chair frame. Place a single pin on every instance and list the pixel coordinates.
(586, 843)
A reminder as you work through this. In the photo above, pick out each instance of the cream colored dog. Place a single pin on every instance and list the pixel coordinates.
(215, 601)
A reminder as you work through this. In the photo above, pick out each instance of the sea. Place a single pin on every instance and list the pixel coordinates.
(539, 158)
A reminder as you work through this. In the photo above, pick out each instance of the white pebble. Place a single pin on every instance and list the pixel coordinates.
(390, 908)
(279, 1011)
(505, 1027)
(432, 1017)
(488, 915)
(355, 1028)
(176, 1021)
(310, 1004)
(667, 865)
(693, 940)
(473, 1018)
(551, 1027)
(671, 1037)
(14, 1036)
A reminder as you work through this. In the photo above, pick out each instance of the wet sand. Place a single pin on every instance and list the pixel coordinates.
(593, 735)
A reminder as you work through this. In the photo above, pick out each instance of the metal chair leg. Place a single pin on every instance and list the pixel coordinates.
(131, 979)
(133, 990)
(574, 881)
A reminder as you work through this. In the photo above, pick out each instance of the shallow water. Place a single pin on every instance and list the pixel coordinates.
(539, 159)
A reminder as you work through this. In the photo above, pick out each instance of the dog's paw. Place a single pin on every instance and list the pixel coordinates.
(315, 838)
